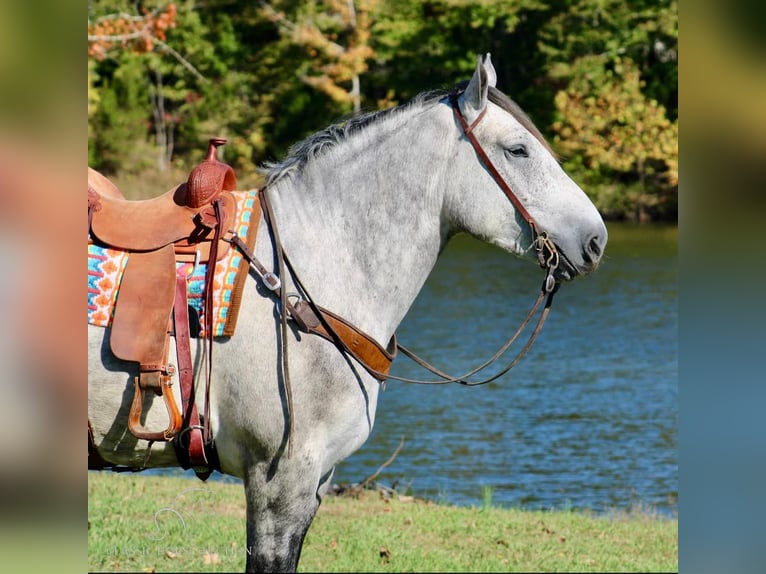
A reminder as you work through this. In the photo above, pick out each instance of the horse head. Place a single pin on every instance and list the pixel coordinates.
(547, 200)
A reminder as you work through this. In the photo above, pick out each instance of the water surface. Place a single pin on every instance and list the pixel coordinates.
(587, 420)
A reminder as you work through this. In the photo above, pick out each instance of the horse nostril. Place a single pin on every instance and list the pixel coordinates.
(594, 246)
(593, 250)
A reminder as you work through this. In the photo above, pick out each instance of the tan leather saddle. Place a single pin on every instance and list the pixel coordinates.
(184, 224)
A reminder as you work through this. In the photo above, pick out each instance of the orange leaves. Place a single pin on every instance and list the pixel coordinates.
(336, 37)
(128, 32)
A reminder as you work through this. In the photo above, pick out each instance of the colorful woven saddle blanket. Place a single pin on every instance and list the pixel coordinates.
(106, 267)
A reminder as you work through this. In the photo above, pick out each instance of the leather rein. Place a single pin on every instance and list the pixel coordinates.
(312, 318)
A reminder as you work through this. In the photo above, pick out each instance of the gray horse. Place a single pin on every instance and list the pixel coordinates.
(364, 209)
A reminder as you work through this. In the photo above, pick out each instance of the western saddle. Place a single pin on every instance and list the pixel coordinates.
(191, 223)
(184, 224)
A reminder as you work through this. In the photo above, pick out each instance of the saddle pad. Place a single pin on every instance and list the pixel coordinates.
(106, 267)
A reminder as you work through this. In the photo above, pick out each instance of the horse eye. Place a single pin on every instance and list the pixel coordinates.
(519, 150)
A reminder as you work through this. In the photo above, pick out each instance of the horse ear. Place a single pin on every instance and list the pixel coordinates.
(474, 99)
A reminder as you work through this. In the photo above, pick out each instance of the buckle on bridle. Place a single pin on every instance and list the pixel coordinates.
(547, 253)
(548, 256)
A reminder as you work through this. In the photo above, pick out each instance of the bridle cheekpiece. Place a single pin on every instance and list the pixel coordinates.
(547, 254)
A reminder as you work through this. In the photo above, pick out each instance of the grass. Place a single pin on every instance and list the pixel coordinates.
(162, 524)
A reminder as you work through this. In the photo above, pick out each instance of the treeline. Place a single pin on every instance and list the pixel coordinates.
(599, 77)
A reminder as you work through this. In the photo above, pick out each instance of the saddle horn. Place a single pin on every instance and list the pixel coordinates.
(209, 178)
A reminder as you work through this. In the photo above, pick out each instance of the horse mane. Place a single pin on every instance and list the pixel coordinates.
(304, 151)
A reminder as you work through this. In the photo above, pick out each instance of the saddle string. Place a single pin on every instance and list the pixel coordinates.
(199, 431)
(192, 430)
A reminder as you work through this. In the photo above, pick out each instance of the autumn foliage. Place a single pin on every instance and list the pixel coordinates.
(598, 77)
(617, 133)
(138, 33)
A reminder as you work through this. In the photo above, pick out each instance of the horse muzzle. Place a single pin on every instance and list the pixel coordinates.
(586, 261)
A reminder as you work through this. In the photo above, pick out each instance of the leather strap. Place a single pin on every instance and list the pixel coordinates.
(220, 215)
(191, 426)
(366, 350)
(468, 131)
(547, 255)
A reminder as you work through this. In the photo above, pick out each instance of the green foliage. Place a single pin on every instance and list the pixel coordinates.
(121, 121)
(422, 44)
(614, 133)
(266, 74)
(644, 31)
(335, 38)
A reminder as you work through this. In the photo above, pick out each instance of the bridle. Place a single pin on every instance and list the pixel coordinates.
(547, 256)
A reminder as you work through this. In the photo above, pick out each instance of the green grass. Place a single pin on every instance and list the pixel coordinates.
(161, 524)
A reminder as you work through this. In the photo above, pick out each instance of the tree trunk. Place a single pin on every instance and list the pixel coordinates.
(160, 124)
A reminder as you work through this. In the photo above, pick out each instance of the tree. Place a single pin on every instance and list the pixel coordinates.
(163, 77)
(644, 31)
(335, 35)
(181, 74)
(620, 137)
(122, 35)
(422, 44)
(119, 121)
(135, 32)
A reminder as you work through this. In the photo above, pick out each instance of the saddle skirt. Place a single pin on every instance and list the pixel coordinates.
(106, 266)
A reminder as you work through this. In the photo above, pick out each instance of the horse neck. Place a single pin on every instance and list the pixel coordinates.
(362, 222)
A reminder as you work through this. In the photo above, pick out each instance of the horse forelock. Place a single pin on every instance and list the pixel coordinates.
(304, 151)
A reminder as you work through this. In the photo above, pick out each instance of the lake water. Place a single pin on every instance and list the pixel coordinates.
(588, 419)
